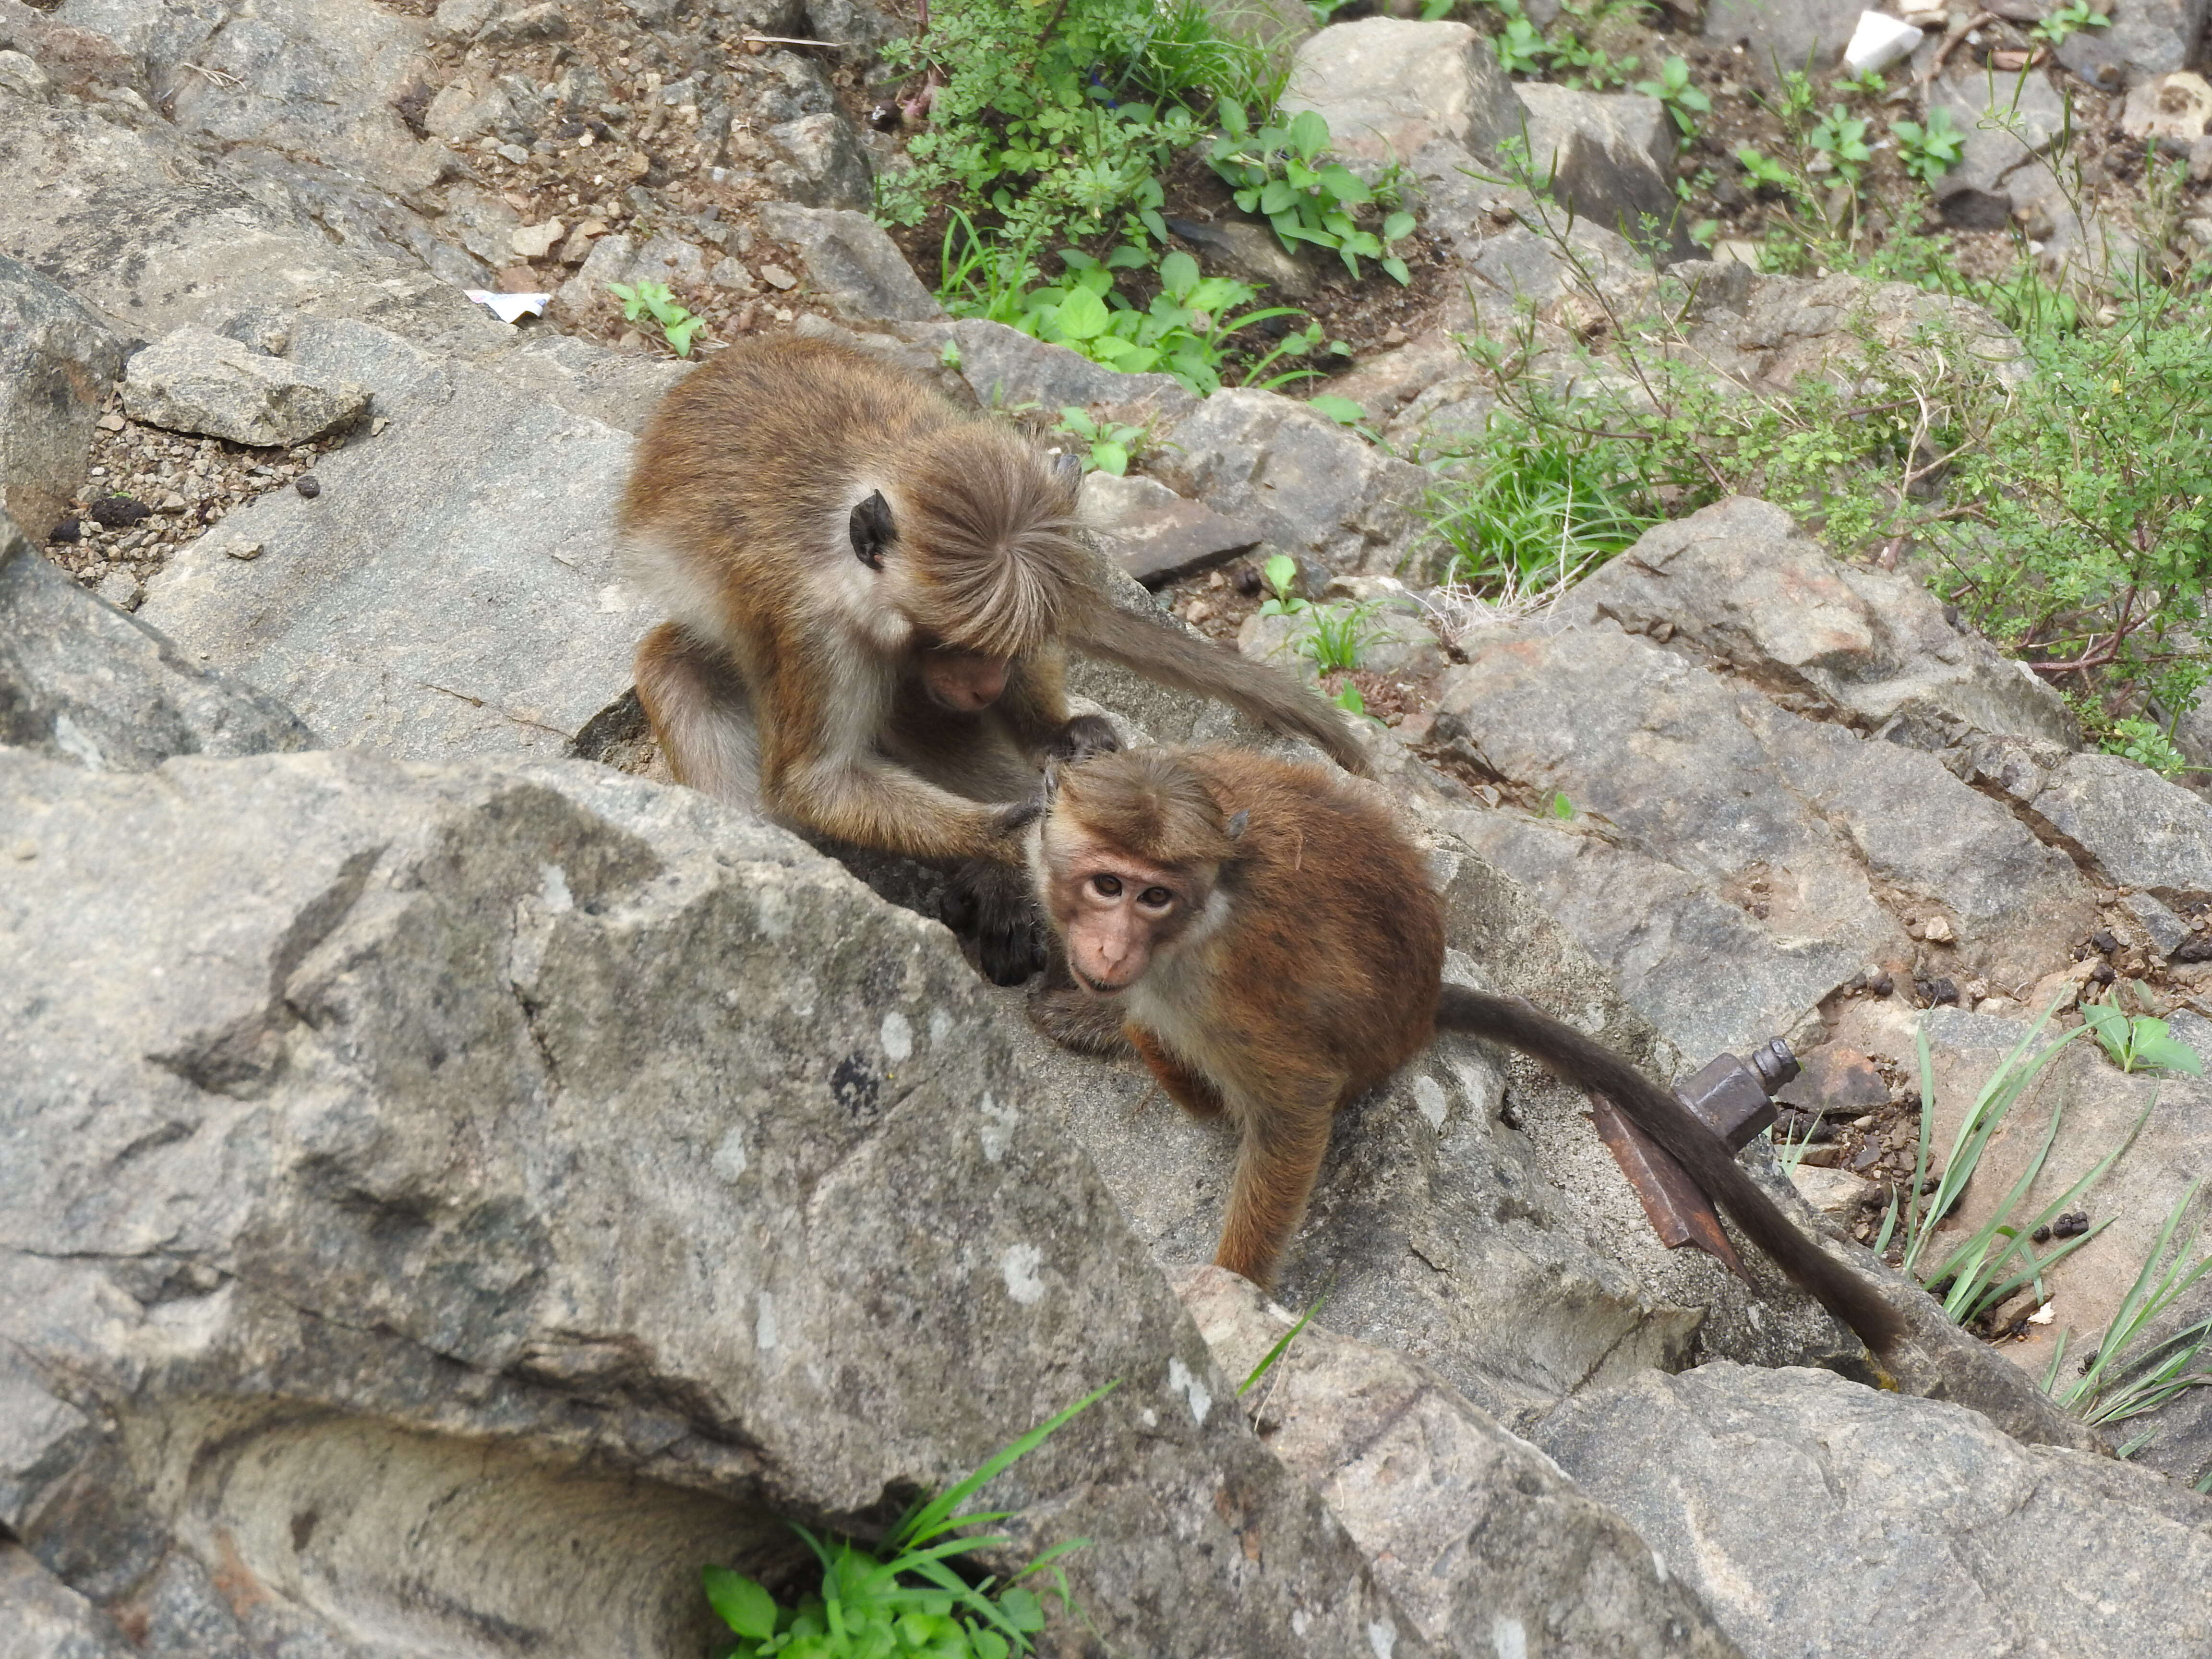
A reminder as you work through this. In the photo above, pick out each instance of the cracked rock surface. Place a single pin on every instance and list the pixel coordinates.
(1813, 1517)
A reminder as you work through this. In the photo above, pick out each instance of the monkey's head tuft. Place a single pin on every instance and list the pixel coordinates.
(986, 528)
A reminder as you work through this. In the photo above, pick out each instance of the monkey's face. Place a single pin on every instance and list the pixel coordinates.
(962, 681)
(1117, 911)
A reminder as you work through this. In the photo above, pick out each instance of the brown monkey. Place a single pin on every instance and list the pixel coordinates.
(868, 593)
(1277, 950)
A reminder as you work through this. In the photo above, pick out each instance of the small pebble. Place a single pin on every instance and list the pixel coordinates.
(2103, 974)
(1247, 580)
(1862, 1123)
(2103, 939)
(1881, 985)
(2041, 1234)
(115, 511)
(2070, 1227)
(241, 548)
(1937, 931)
(777, 276)
(309, 485)
(110, 423)
(66, 530)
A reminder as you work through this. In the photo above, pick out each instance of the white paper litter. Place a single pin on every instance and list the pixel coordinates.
(508, 307)
(2042, 1316)
(1879, 41)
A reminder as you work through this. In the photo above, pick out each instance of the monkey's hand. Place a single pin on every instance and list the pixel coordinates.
(1084, 736)
(991, 902)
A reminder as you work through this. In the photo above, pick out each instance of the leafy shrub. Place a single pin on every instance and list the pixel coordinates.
(1280, 172)
(868, 1606)
(643, 301)
(1929, 152)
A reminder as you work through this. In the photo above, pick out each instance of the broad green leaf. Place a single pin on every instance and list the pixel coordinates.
(1396, 267)
(1082, 315)
(1022, 1609)
(1342, 410)
(1277, 197)
(1230, 113)
(1308, 134)
(1178, 274)
(1344, 185)
(745, 1606)
(1110, 457)
(1397, 225)
(2169, 1052)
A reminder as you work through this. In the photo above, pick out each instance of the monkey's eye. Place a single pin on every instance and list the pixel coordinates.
(1156, 898)
(1107, 886)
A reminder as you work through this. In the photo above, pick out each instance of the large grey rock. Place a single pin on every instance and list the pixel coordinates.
(2097, 1107)
(1387, 88)
(1006, 368)
(1317, 491)
(851, 263)
(1157, 534)
(321, 82)
(818, 160)
(193, 380)
(1609, 156)
(42, 1617)
(1815, 1516)
(2008, 121)
(57, 364)
(1785, 34)
(81, 680)
(141, 224)
(1733, 861)
(441, 1208)
(2133, 826)
(1740, 583)
(2145, 38)
(1480, 1539)
(452, 589)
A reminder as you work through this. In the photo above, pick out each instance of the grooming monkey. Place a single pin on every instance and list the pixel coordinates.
(869, 592)
(1277, 950)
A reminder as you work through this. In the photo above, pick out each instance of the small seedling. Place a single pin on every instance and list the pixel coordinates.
(2138, 1042)
(1562, 808)
(1111, 445)
(1280, 172)
(652, 300)
(2070, 18)
(1683, 101)
(1929, 152)
(1339, 634)
(2115, 1382)
(864, 1610)
(1279, 573)
(1282, 1347)
(1841, 137)
(2145, 743)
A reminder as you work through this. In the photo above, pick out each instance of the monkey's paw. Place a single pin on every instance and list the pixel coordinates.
(1084, 736)
(1075, 1019)
(991, 903)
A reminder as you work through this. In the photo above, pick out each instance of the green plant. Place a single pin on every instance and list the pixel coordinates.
(1841, 137)
(1279, 573)
(1029, 120)
(2119, 1380)
(1268, 1361)
(1999, 1257)
(1870, 84)
(2146, 742)
(2069, 18)
(1184, 332)
(651, 300)
(868, 1608)
(1540, 510)
(1337, 635)
(1683, 101)
(1562, 808)
(1929, 152)
(1281, 173)
(1110, 444)
(2136, 1041)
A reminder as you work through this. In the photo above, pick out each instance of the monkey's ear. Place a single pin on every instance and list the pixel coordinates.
(872, 530)
(1236, 824)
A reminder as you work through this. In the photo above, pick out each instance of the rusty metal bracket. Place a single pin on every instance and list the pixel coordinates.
(1734, 1098)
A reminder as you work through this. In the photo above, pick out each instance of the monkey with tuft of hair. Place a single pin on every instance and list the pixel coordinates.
(1276, 949)
(870, 593)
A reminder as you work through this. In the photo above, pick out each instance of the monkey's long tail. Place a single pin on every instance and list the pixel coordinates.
(1158, 651)
(1591, 1066)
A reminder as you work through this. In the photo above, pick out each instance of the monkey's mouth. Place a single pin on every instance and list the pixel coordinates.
(1096, 988)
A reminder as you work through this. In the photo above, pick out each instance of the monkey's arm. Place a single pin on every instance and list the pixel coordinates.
(1267, 695)
(1034, 706)
(1285, 1122)
(1592, 1066)
(872, 802)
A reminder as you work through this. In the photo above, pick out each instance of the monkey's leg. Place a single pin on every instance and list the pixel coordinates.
(1285, 1140)
(696, 703)
(1193, 1093)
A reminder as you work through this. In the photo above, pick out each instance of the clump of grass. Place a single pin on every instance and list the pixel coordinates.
(1538, 510)
(870, 1605)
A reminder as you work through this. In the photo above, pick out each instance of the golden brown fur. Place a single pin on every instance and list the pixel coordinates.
(878, 586)
(1278, 951)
